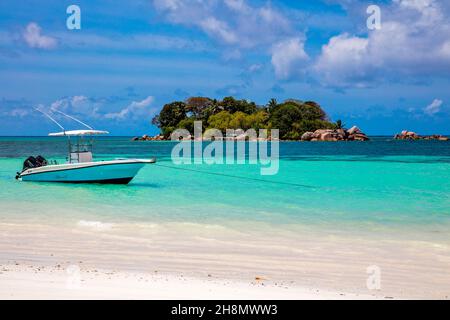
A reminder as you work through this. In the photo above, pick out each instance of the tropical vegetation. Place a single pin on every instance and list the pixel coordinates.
(292, 117)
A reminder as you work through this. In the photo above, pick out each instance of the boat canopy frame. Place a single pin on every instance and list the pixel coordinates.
(82, 149)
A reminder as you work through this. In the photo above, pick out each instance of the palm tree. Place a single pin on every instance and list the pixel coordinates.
(339, 124)
(272, 104)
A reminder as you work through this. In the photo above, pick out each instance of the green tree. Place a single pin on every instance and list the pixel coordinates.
(292, 117)
(238, 121)
(220, 120)
(272, 105)
(283, 117)
(232, 105)
(199, 107)
(339, 124)
(216, 107)
(294, 101)
(169, 117)
(257, 120)
(312, 111)
(187, 124)
(167, 131)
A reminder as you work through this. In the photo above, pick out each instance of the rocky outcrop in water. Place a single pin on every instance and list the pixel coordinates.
(149, 138)
(352, 134)
(407, 135)
(436, 137)
(410, 135)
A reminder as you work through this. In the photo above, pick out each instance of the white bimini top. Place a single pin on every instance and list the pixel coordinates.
(77, 133)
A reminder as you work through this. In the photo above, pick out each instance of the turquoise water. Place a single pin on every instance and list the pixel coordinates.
(377, 184)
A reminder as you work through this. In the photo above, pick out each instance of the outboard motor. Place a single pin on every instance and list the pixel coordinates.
(41, 161)
(29, 163)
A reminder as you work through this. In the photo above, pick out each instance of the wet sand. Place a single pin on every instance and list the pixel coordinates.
(92, 259)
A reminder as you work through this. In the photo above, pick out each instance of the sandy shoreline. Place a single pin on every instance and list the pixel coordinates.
(37, 261)
(57, 282)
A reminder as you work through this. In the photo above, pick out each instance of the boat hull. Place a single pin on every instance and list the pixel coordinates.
(105, 172)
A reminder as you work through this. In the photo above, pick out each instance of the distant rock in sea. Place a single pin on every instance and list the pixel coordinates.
(149, 138)
(352, 134)
(410, 135)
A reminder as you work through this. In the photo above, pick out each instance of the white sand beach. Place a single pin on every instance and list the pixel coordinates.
(53, 282)
(95, 260)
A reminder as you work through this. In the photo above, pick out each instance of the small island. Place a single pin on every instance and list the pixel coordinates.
(296, 120)
(411, 135)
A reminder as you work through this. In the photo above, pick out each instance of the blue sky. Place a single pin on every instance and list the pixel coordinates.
(131, 57)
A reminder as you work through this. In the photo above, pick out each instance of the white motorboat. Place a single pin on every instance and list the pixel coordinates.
(80, 166)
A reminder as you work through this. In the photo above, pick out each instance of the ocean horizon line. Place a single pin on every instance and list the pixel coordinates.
(132, 136)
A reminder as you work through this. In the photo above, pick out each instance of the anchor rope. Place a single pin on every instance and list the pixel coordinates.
(239, 177)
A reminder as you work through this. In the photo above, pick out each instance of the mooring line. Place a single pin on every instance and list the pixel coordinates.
(239, 177)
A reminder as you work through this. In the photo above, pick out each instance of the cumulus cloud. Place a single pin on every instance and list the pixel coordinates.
(288, 57)
(238, 5)
(18, 108)
(146, 42)
(79, 105)
(414, 40)
(229, 22)
(433, 107)
(134, 110)
(19, 112)
(215, 27)
(254, 68)
(16, 112)
(35, 39)
(343, 60)
(100, 108)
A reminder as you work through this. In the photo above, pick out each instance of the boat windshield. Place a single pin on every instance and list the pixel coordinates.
(81, 145)
(80, 150)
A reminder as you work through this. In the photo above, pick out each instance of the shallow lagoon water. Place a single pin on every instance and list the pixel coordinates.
(380, 185)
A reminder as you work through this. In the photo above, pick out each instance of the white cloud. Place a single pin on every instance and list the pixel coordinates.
(254, 67)
(130, 42)
(445, 50)
(35, 39)
(134, 110)
(237, 5)
(288, 57)
(342, 60)
(433, 107)
(230, 22)
(80, 105)
(218, 28)
(430, 9)
(413, 40)
(232, 54)
(99, 109)
(17, 112)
